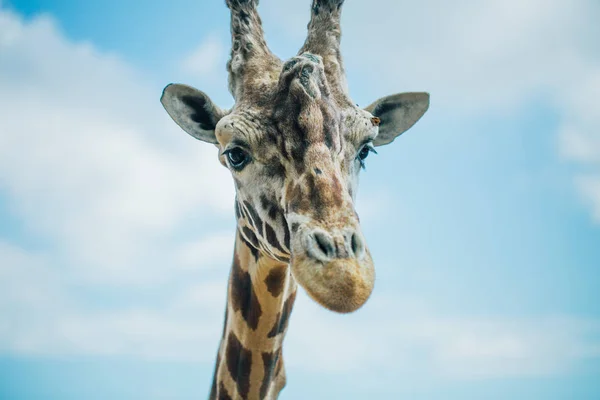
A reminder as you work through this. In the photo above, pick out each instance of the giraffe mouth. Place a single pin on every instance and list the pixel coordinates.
(331, 261)
(340, 285)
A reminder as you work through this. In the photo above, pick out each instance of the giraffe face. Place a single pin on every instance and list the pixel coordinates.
(295, 165)
(295, 151)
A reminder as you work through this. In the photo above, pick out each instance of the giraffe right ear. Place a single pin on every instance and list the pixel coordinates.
(397, 113)
(193, 111)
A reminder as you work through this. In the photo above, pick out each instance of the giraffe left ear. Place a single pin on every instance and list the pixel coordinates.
(397, 113)
(193, 111)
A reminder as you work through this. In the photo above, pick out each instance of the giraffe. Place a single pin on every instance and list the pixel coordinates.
(295, 143)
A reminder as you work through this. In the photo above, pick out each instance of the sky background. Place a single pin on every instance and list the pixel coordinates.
(116, 227)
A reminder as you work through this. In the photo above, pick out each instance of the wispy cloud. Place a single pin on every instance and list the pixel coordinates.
(580, 135)
(414, 337)
(589, 186)
(493, 58)
(215, 250)
(205, 59)
(83, 158)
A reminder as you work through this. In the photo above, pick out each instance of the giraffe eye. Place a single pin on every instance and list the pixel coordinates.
(363, 154)
(237, 158)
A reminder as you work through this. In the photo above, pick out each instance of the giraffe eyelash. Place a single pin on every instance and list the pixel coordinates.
(364, 153)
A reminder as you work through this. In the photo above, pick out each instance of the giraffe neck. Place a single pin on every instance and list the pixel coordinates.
(260, 298)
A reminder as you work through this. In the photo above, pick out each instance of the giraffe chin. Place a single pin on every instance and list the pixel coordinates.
(341, 285)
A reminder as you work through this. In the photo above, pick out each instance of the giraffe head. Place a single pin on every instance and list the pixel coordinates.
(295, 144)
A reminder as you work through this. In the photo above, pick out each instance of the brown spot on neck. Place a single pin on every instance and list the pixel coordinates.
(243, 296)
(239, 364)
(282, 321)
(270, 361)
(276, 280)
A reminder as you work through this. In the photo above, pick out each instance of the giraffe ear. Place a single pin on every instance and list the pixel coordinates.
(397, 113)
(193, 111)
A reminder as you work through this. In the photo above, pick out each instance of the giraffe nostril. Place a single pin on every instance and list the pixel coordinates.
(358, 245)
(325, 243)
(324, 246)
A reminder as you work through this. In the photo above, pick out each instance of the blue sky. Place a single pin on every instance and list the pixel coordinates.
(484, 219)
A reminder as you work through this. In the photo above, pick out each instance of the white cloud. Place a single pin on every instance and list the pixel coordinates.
(211, 251)
(85, 158)
(40, 316)
(475, 57)
(414, 338)
(580, 136)
(205, 59)
(493, 58)
(590, 188)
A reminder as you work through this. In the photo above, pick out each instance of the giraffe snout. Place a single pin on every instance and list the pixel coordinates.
(333, 265)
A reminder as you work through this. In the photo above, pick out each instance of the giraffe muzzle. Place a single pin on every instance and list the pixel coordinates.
(335, 268)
